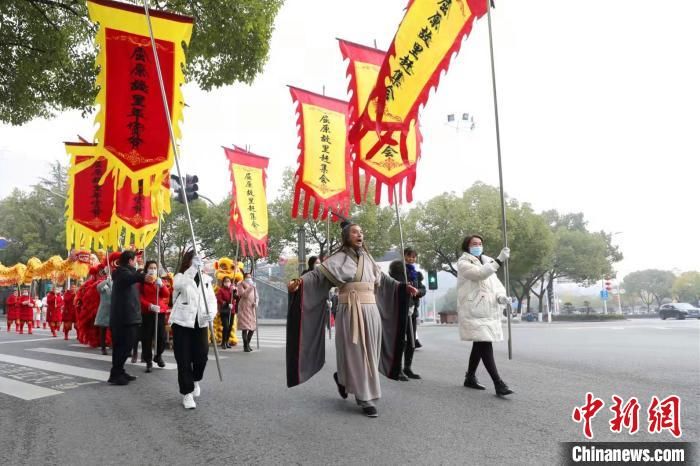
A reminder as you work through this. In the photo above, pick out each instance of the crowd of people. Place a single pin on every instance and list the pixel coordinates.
(124, 302)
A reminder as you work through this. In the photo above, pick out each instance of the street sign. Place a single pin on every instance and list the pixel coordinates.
(604, 295)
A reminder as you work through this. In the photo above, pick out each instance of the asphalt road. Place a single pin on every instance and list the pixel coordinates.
(252, 418)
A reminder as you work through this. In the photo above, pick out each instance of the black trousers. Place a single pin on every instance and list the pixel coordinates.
(483, 351)
(226, 324)
(123, 337)
(137, 339)
(191, 346)
(103, 338)
(410, 347)
(148, 333)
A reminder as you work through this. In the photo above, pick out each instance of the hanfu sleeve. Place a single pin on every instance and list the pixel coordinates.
(393, 302)
(306, 326)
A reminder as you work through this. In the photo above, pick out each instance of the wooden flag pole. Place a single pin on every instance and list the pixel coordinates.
(182, 182)
(506, 275)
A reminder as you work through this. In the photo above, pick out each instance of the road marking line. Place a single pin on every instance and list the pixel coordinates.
(55, 367)
(25, 341)
(25, 391)
(94, 357)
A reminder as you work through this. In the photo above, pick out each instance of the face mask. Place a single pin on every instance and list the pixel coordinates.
(249, 280)
(152, 272)
(476, 250)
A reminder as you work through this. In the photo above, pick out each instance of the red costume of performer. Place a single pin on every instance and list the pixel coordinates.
(26, 312)
(54, 313)
(89, 300)
(69, 311)
(12, 309)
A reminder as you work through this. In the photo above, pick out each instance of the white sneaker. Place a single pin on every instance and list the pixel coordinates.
(197, 391)
(188, 401)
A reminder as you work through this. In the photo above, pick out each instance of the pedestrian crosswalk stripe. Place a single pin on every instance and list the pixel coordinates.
(55, 367)
(25, 341)
(94, 357)
(25, 391)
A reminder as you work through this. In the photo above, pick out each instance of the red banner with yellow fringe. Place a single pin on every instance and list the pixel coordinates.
(248, 222)
(90, 204)
(388, 167)
(324, 159)
(133, 131)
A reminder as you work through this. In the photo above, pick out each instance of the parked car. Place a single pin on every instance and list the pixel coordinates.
(679, 311)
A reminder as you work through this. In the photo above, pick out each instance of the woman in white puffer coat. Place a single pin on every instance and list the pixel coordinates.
(189, 321)
(480, 300)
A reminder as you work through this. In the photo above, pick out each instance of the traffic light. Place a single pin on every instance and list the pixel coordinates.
(432, 280)
(189, 189)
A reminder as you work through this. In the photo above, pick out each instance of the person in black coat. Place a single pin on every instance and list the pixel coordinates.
(415, 278)
(125, 314)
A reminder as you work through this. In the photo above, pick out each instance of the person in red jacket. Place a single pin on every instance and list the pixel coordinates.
(154, 303)
(12, 310)
(69, 310)
(226, 299)
(54, 313)
(26, 311)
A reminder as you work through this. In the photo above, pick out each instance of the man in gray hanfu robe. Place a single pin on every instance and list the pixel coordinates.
(371, 317)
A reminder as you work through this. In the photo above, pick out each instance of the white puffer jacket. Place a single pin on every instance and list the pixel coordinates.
(188, 302)
(478, 289)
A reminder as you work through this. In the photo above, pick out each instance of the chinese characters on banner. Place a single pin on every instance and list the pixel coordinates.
(248, 223)
(662, 415)
(133, 131)
(90, 205)
(98, 214)
(388, 166)
(324, 159)
(429, 34)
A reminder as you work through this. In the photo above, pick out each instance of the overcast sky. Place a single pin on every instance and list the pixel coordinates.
(599, 105)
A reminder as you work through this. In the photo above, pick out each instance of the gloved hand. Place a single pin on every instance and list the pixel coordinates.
(504, 255)
(197, 262)
(503, 300)
(159, 282)
(154, 308)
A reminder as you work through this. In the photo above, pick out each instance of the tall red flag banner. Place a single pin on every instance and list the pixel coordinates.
(248, 223)
(133, 130)
(90, 204)
(388, 167)
(430, 33)
(324, 159)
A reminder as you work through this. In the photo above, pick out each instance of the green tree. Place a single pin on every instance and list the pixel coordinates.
(47, 50)
(686, 288)
(34, 221)
(210, 226)
(650, 285)
(579, 255)
(376, 222)
(438, 226)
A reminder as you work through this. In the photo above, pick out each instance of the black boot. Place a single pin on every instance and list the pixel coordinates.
(502, 389)
(410, 374)
(470, 381)
(402, 377)
(341, 388)
(149, 366)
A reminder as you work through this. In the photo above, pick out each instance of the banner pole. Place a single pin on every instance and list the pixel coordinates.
(166, 111)
(506, 274)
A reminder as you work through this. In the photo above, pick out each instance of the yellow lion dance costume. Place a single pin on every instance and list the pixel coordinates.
(226, 268)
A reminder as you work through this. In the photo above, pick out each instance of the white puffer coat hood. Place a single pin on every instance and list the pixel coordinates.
(478, 289)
